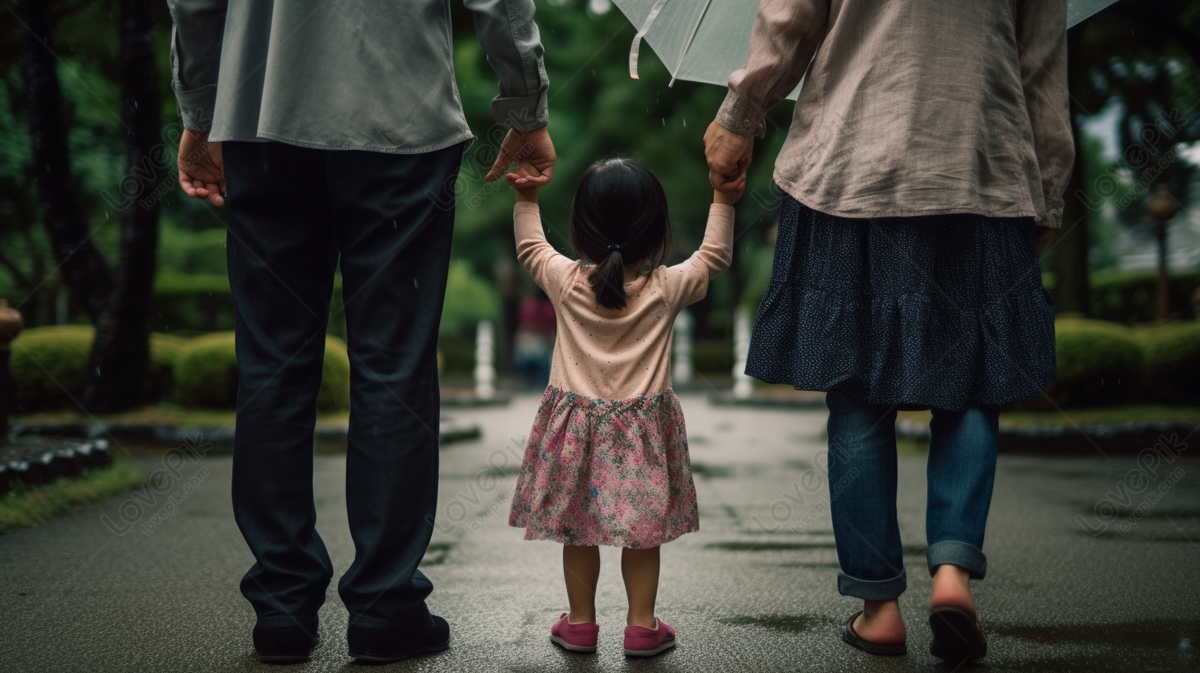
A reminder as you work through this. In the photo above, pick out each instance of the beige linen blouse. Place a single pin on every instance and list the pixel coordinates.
(610, 354)
(914, 107)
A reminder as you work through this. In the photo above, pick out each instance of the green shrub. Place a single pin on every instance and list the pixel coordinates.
(1099, 363)
(713, 356)
(49, 365)
(206, 374)
(335, 377)
(1130, 296)
(1173, 363)
(469, 299)
(191, 303)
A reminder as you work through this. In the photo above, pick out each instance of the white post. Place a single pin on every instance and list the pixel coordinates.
(743, 386)
(681, 373)
(485, 366)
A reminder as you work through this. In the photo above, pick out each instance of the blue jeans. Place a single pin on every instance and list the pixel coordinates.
(862, 489)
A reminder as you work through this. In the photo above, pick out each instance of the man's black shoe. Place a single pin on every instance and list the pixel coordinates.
(382, 646)
(285, 645)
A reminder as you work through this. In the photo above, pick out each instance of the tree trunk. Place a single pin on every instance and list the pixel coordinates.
(119, 373)
(82, 265)
(1071, 291)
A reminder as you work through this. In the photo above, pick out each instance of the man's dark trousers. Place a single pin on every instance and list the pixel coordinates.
(293, 213)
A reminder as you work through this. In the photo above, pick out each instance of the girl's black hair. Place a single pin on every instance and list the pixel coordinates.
(618, 215)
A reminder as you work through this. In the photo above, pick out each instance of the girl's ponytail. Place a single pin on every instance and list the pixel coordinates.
(608, 280)
(618, 217)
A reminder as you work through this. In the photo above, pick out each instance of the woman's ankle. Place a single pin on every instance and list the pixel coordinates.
(881, 622)
(952, 588)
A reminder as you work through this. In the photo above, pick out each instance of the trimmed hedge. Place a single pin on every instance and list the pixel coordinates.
(1099, 363)
(49, 365)
(1173, 363)
(206, 374)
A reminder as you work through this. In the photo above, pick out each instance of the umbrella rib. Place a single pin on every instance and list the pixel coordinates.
(637, 39)
(688, 45)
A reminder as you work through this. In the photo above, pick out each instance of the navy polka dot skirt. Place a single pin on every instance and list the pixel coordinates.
(943, 311)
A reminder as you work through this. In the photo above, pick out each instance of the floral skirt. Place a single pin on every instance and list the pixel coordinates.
(604, 472)
(942, 311)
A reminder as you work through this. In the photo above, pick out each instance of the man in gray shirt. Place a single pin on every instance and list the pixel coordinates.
(334, 133)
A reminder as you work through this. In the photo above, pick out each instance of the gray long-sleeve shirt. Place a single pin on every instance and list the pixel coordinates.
(347, 74)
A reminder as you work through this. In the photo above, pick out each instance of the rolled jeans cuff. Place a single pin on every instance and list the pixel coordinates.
(956, 553)
(873, 590)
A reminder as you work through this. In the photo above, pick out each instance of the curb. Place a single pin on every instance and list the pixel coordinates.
(43, 463)
(1087, 440)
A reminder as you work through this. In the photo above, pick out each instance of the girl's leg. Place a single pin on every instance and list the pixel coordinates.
(961, 471)
(862, 502)
(639, 567)
(581, 568)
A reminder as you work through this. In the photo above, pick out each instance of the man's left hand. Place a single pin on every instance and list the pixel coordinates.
(534, 150)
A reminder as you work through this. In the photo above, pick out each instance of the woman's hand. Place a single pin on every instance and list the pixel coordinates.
(728, 155)
(1041, 235)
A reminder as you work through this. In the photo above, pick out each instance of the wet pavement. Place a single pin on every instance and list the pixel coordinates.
(1094, 565)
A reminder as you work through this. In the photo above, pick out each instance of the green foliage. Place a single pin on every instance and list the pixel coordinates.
(206, 374)
(27, 506)
(335, 377)
(49, 365)
(469, 299)
(1173, 363)
(195, 303)
(1099, 363)
(1130, 296)
(181, 251)
(712, 356)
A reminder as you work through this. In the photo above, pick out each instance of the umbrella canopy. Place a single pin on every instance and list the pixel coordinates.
(706, 40)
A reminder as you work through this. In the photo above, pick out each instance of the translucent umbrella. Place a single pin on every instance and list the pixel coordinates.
(705, 40)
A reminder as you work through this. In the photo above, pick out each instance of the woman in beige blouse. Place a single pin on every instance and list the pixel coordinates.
(922, 173)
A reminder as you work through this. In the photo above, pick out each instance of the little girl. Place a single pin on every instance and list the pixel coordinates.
(607, 459)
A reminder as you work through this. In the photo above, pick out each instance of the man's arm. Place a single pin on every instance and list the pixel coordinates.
(196, 57)
(195, 60)
(785, 37)
(1042, 41)
(508, 34)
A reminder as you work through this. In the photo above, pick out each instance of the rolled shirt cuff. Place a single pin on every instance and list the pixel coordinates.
(524, 113)
(742, 116)
(196, 107)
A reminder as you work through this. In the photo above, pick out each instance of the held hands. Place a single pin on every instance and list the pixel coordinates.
(534, 151)
(201, 167)
(728, 156)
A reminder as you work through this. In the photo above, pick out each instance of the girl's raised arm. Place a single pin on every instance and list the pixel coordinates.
(548, 268)
(687, 282)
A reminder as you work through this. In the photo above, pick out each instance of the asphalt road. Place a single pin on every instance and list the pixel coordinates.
(1094, 565)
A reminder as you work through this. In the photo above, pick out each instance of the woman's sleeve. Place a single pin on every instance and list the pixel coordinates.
(546, 265)
(687, 283)
(786, 35)
(1042, 41)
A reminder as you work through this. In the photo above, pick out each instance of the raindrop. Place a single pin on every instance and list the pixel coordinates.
(97, 371)
(414, 282)
(664, 121)
(685, 123)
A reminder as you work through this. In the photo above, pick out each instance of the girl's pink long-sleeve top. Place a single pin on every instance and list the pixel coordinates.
(610, 354)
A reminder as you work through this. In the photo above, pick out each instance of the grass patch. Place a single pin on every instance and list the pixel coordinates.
(27, 506)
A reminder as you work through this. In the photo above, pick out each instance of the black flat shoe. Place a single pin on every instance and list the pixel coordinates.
(957, 635)
(380, 646)
(851, 637)
(285, 645)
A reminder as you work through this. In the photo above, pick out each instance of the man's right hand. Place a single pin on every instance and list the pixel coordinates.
(534, 150)
(728, 156)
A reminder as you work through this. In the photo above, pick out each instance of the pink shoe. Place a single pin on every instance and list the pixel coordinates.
(574, 637)
(643, 642)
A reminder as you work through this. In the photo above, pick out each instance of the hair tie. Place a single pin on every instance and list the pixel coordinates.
(614, 247)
